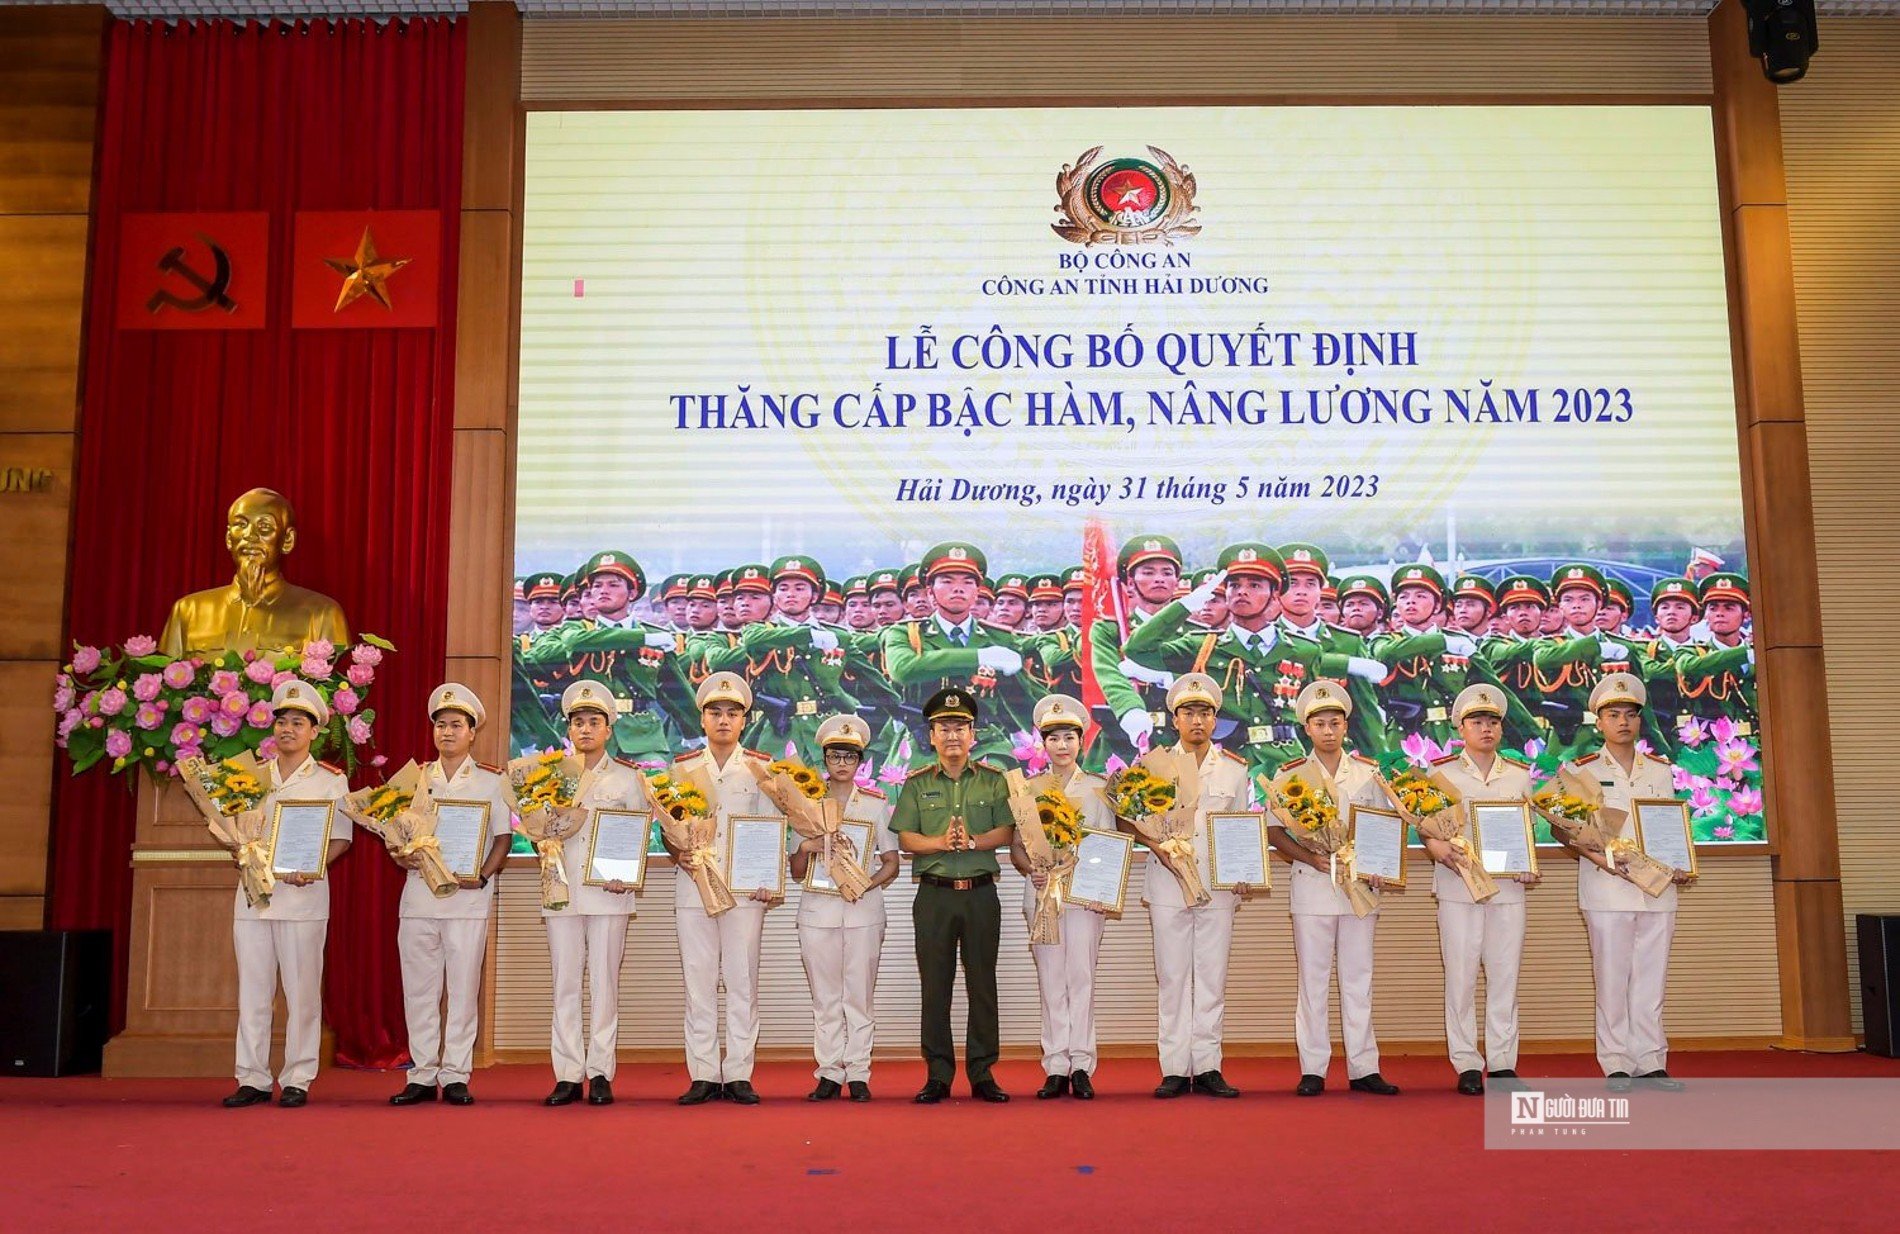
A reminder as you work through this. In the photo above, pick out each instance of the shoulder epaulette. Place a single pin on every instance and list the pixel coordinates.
(1515, 762)
(683, 755)
(493, 771)
(1440, 762)
(1298, 762)
(1370, 762)
(763, 758)
(627, 762)
(986, 765)
(871, 792)
(1238, 758)
(927, 768)
(331, 767)
(1588, 758)
(1000, 628)
(1654, 758)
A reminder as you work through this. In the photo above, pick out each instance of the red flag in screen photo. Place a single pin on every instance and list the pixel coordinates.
(193, 271)
(1100, 598)
(366, 269)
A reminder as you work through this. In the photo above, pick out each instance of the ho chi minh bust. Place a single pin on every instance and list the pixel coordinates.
(259, 610)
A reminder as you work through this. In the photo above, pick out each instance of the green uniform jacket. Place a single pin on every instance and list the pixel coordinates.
(795, 686)
(1568, 666)
(1366, 727)
(930, 799)
(1122, 695)
(1657, 662)
(1719, 682)
(1423, 680)
(921, 660)
(645, 681)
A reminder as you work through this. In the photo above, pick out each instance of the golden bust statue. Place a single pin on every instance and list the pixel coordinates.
(259, 610)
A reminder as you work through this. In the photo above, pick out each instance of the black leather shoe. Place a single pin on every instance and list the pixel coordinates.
(700, 1093)
(1082, 1086)
(1054, 1086)
(1172, 1086)
(600, 1091)
(739, 1092)
(457, 1094)
(1310, 1086)
(413, 1094)
(1214, 1085)
(246, 1095)
(566, 1092)
(293, 1098)
(1375, 1084)
(1660, 1079)
(826, 1090)
(1619, 1082)
(931, 1093)
(1471, 1083)
(986, 1090)
(1507, 1080)
(860, 1091)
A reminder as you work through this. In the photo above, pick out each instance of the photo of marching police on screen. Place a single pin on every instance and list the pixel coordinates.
(1263, 620)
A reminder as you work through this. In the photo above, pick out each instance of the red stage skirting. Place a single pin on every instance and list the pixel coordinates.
(87, 1154)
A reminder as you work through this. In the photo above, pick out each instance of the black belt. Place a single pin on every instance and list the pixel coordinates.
(956, 884)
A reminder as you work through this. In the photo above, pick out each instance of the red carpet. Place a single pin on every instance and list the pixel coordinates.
(89, 1154)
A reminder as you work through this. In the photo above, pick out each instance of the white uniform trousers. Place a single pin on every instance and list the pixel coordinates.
(596, 944)
(1629, 953)
(1315, 937)
(712, 949)
(1065, 978)
(266, 951)
(1191, 970)
(438, 952)
(841, 966)
(1491, 935)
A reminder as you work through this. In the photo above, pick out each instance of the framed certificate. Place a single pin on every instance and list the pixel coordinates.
(617, 851)
(860, 836)
(300, 836)
(1378, 844)
(461, 831)
(1237, 850)
(755, 855)
(1502, 837)
(1100, 877)
(1663, 833)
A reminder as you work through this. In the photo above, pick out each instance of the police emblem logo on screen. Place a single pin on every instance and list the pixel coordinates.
(1125, 200)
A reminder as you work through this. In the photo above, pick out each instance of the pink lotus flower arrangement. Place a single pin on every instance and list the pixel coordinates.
(133, 706)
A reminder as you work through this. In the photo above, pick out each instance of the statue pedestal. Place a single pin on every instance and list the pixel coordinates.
(181, 982)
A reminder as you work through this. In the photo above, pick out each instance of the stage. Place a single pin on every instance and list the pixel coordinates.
(89, 1154)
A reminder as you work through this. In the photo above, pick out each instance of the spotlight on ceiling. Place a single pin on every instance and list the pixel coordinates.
(1781, 35)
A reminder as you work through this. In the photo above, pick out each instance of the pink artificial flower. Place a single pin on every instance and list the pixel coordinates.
(185, 752)
(1417, 749)
(148, 717)
(1691, 732)
(319, 648)
(1736, 757)
(359, 731)
(893, 772)
(360, 674)
(70, 721)
(184, 734)
(85, 659)
(224, 724)
(224, 681)
(260, 714)
(178, 673)
(146, 688)
(344, 703)
(278, 679)
(1702, 800)
(1696, 781)
(1532, 749)
(1745, 802)
(96, 722)
(260, 671)
(1642, 746)
(118, 743)
(1115, 763)
(863, 777)
(1723, 729)
(363, 653)
(112, 702)
(236, 703)
(379, 760)
(1724, 831)
(140, 645)
(63, 698)
(267, 748)
(198, 709)
(163, 766)
(314, 669)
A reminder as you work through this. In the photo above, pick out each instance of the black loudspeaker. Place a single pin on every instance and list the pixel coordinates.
(55, 1001)
(1879, 980)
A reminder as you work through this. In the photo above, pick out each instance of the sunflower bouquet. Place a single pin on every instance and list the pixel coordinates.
(1048, 825)
(690, 829)
(1429, 804)
(799, 793)
(1157, 796)
(1307, 804)
(1572, 803)
(547, 787)
(230, 796)
(401, 813)
(1650, 875)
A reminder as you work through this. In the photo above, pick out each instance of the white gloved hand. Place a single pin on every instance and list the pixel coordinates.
(1198, 598)
(1150, 676)
(660, 640)
(1612, 651)
(1139, 726)
(1461, 645)
(1366, 670)
(823, 639)
(999, 659)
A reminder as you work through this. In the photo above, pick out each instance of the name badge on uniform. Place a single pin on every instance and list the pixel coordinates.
(1437, 714)
(1259, 734)
(806, 707)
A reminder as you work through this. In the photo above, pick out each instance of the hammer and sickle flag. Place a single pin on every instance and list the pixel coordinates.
(193, 271)
(366, 269)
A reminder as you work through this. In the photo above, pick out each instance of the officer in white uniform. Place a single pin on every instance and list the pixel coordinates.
(1065, 972)
(1492, 933)
(723, 948)
(1191, 943)
(1629, 931)
(840, 943)
(283, 940)
(442, 939)
(1323, 920)
(590, 934)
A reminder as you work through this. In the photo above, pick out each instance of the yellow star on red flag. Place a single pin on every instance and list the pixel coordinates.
(366, 274)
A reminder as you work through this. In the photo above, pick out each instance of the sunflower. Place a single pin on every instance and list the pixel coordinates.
(1294, 791)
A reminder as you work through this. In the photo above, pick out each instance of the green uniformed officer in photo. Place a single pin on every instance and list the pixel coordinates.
(535, 691)
(1617, 604)
(1429, 667)
(951, 649)
(1473, 603)
(1011, 608)
(1571, 662)
(1148, 570)
(885, 588)
(1363, 604)
(1306, 572)
(951, 817)
(1329, 602)
(1674, 604)
(796, 663)
(1719, 679)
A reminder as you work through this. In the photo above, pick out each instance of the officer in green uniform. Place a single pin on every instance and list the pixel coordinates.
(1011, 608)
(1149, 569)
(1075, 585)
(1213, 614)
(795, 665)
(911, 586)
(1522, 600)
(1570, 662)
(1676, 607)
(1718, 680)
(886, 593)
(1045, 604)
(534, 695)
(1329, 602)
(1472, 604)
(951, 649)
(1617, 604)
(951, 817)
(1363, 604)
(1427, 668)
(1306, 571)
(672, 597)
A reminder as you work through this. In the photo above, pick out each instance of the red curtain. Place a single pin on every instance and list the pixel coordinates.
(354, 426)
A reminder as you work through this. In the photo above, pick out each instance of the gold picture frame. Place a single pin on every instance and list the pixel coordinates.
(751, 824)
(1678, 810)
(816, 865)
(644, 819)
(276, 830)
(482, 838)
(1213, 828)
(1522, 812)
(1353, 822)
(1121, 841)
